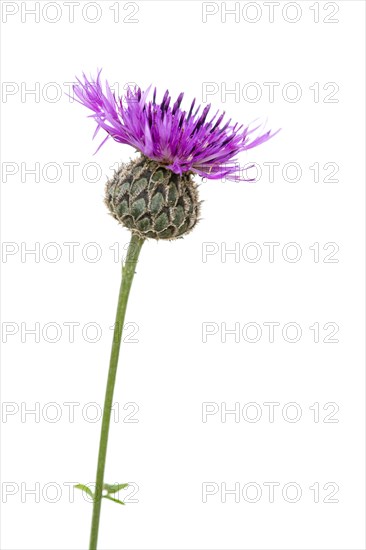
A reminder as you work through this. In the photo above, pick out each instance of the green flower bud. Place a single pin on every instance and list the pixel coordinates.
(152, 201)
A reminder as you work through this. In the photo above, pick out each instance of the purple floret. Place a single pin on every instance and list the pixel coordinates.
(182, 141)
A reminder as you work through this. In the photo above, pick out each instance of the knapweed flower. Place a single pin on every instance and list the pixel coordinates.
(155, 195)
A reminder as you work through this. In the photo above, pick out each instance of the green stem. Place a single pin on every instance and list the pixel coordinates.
(128, 271)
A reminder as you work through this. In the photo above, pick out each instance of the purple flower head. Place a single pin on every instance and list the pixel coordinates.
(183, 141)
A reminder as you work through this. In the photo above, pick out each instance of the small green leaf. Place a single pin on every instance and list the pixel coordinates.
(114, 500)
(85, 489)
(114, 488)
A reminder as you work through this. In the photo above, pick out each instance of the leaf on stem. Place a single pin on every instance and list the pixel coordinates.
(111, 489)
(85, 489)
(114, 499)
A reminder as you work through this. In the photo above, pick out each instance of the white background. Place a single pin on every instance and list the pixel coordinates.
(170, 372)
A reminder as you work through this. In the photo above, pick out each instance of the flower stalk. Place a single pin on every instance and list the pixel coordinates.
(128, 272)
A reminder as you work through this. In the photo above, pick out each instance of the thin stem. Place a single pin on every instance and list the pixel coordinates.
(128, 271)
